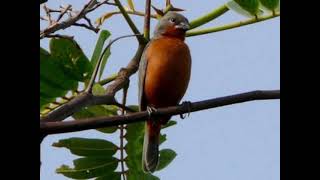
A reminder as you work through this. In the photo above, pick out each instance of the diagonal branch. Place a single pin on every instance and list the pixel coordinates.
(133, 27)
(100, 122)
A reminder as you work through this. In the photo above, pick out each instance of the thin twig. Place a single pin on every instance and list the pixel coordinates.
(89, 7)
(87, 26)
(63, 12)
(43, 18)
(100, 122)
(59, 36)
(46, 9)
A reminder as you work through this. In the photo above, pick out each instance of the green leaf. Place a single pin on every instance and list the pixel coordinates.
(53, 81)
(140, 176)
(61, 69)
(110, 176)
(89, 167)
(104, 62)
(162, 138)
(98, 111)
(270, 4)
(134, 136)
(98, 90)
(249, 8)
(104, 35)
(169, 124)
(166, 157)
(51, 72)
(71, 58)
(88, 147)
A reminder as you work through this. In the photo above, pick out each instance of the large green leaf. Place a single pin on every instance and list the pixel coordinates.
(110, 176)
(270, 4)
(249, 8)
(71, 58)
(53, 81)
(88, 147)
(61, 69)
(90, 167)
(98, 161)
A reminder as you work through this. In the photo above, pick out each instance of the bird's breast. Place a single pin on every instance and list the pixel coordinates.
(168, 72)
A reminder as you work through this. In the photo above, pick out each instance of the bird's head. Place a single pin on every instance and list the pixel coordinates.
(172, 25)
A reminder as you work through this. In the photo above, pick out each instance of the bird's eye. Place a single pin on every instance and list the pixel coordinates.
(172, 20)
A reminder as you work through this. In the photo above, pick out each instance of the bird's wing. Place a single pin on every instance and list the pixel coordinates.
(142, 74)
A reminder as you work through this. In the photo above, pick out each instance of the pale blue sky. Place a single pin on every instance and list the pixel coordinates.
(238, 142)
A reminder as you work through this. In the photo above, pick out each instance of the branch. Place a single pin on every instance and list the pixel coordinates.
(133, 27)
(100, 122)
(231, 26)
(63, 12)
(86, 99)
(146, 28)
(90, 27)
(208, 17)
(90, 6)
(107, 15)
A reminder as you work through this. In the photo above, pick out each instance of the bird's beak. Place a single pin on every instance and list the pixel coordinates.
(183, 26)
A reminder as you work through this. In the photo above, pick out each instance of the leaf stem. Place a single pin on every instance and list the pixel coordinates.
(97, 67)
(108, 79)
(130, 22)
(231, 26)
(208, 17)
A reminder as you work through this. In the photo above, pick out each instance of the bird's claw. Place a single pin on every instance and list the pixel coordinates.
(187, 105)
(151, 110)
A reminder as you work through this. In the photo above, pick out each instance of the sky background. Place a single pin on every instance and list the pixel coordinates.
(237, 142)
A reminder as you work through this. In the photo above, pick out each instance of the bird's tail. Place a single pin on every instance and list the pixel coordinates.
(150, 156)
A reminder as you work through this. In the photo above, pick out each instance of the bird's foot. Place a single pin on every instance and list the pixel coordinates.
(187, 105)
(151, 110)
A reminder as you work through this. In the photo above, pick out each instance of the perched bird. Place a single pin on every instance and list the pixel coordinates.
(164, 74)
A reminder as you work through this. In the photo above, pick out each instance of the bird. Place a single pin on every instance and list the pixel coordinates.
(164, 75)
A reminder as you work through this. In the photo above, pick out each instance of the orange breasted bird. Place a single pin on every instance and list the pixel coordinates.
(164, 74)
